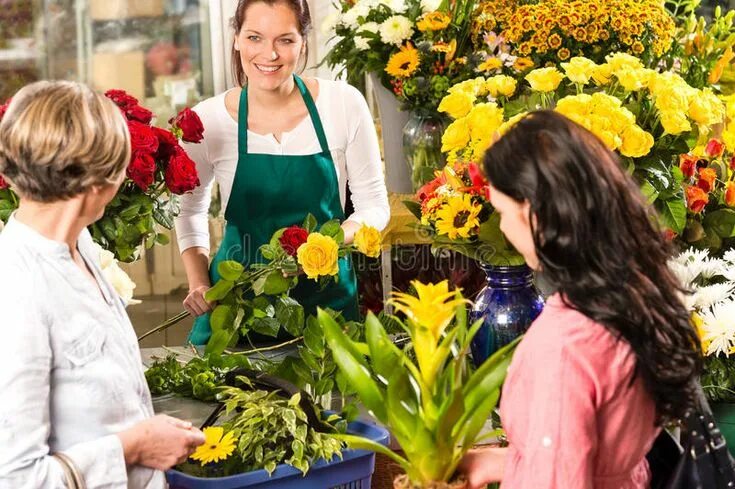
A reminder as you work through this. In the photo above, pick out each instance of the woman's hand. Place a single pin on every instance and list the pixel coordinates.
(195, 303)
(350, 228)
(160, 442)
(482, 466)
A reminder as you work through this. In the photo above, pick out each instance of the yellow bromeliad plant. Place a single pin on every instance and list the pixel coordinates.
(435, 407)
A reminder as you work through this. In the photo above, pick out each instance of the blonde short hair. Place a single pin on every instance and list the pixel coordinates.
(59, 138)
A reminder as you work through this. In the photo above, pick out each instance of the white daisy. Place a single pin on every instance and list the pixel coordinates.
(719, 328)
(362, 43)
(351, 18)
(729, 256)
(396, 29)
(397, 6)
(709, 295)
(430, 5)
(369, 27)
(711, 267)
(330, 22)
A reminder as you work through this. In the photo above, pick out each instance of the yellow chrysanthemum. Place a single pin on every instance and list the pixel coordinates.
(490, 64)
(698, 323)
(368, 241)
(458, 218)
(404, 63)
(217, 445)
(523, 64)
(433, 21)
(318, 256)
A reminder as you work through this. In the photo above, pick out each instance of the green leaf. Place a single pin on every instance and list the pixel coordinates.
(219, 291)
(649, 191)
(218, 342)
(324, 386)
(230, 270)
(267, 326)
(276, 283)
(403, 408)
(674, 213)
(331, 228)
(309, 223)
(162, 239)
(352, 364)
(383, 355)
(290, 314)
(361, 443)
(314, 339)
(223, 317)
(413, 207)
(722, 222)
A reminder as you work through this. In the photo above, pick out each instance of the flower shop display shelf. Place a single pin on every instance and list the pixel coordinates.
(353, 471)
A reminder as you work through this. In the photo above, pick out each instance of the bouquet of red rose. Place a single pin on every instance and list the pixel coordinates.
(159, 169)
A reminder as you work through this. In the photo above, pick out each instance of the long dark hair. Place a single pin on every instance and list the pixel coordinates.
(598, 244)
(303, 16)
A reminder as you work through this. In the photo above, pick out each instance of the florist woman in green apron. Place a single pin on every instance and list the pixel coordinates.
(280, 147)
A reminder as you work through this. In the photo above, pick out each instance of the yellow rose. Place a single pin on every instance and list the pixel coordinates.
(634, 80)
(318, 256)
(457, 104)
(729, 106)
(579, 69)
(505, 126)
(501, 85)
(622, 62)
(574, 104)
(728, 137)
(456, 136)
(609, 138)
(368, 241)
(544, 79)
(636, 142)
(474, 87)
(602, 74)
(675, 122)
(706, 109)
(484, 120)
(433, 21)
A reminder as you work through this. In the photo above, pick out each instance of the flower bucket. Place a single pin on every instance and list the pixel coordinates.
(353, 471)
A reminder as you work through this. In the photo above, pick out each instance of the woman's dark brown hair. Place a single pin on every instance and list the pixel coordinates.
(300, 9)
(598, 244)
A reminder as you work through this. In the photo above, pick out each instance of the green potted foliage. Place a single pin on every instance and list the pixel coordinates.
(435, 406)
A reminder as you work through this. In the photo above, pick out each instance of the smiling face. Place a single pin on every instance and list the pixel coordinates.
(269, 44)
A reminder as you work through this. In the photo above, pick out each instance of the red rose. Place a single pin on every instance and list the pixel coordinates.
(181, 172)
(3, 183)
(732, 163)
(479, 183)
(190, 124)
(142, 169)
(142, 138)
(138, 113)
(714, 148)
(292, 238)
(688, 165)
(730, 194)
(707, 177)
(4, 108)
(166, 143)
(121, 98)
(697, 199)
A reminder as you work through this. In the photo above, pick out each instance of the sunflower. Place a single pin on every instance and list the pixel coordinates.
(458, 217)
(403, 63)
(216, 447)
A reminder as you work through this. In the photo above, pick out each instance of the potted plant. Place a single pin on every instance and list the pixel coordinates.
(435, 406)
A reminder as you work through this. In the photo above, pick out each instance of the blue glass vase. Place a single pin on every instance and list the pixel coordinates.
(508, 303)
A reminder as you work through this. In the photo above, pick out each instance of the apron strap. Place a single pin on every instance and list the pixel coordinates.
(242, 124)
(315, 119)
(242, 119)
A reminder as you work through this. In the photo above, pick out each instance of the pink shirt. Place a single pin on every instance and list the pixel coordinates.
(572, 416)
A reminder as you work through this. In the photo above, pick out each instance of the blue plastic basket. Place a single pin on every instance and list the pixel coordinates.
(353, 471)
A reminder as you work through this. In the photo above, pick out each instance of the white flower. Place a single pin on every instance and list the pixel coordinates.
(710, 295)
(362, 43)
(398, 6)
(352, 16)
(329, 23)
(711, 267)
(430, 5)
(729, 256)
(396, 29)
(688, 265)
(117, 277)
(718, 328)
(372, 27)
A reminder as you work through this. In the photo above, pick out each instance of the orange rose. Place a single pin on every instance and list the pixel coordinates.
(730, 194)
(696, 199)
(688, 165)
(707, 177)
(714, 148)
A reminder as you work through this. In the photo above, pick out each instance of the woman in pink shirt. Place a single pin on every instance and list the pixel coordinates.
(613, 354)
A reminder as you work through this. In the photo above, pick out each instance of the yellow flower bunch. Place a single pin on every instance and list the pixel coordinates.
(604, 116)
(551, 30)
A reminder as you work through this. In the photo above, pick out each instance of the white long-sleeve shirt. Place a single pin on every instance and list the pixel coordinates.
(71, 375)
(352, 140)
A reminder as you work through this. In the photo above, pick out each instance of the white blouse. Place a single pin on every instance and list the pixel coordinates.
(71, 374)
(352, 140)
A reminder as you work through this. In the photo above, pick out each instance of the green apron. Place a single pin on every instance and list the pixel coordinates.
(271, 192)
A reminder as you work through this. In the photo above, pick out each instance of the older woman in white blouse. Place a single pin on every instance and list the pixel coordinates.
(70, 371)
(279, 147)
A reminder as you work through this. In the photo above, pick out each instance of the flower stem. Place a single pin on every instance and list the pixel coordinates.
(165, 325)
